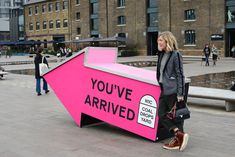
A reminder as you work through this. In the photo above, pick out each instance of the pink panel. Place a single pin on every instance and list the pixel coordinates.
(124, 102)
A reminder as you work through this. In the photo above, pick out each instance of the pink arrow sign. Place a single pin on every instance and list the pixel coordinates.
(92, 83)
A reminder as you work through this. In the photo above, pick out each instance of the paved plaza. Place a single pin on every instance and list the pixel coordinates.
(41, 126)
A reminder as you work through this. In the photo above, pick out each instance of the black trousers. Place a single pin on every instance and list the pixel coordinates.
(166, 102)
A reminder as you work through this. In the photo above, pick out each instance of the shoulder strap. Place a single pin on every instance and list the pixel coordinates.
(42, 59)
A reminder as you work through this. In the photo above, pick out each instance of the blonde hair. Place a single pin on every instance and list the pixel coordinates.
(171, 42)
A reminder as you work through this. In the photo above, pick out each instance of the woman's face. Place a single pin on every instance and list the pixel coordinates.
(161, 43)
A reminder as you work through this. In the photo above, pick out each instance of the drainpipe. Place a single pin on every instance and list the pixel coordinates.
(107, 19)
(170, 15)
(70, 11)
(209, 25)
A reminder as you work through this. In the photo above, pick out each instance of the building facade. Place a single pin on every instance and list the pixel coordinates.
(16, 23)
(194, 22)
(5, 8)
(134, 20)
(200, 22)
(47, 20)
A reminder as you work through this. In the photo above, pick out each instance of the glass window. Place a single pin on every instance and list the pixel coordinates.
(65, 5)
(65, 23)
(152, 3)
(78, 16)
(190, 37)
(189, 14)
(37, 25)
(121, 20)
(51, 24)
(231, 14)
(57, 6)
(78, 30)
(31, 26)
(121, 3)
(36, 9)
(94, 24)
(152, 20)
(77, 1)
(30, 10)
(94, 8)
(44, 26)
(43, 8)
(57, 23)
(123, 35)
(50, 7)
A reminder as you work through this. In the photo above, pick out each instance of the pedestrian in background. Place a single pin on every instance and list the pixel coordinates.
(37, 60)
(214, 52)
(172, 82)
(207, 52)
(233, 51)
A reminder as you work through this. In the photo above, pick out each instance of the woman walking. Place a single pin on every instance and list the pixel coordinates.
(171, 80)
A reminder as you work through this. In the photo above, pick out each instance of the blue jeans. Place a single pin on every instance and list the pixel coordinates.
(207, 60)
(38, 85)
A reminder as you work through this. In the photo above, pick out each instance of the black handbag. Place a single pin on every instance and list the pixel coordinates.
(179, 112)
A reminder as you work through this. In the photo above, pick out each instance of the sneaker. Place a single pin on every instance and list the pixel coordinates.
(39, 94)
(47, 91)
(183, 139)
(173, 144)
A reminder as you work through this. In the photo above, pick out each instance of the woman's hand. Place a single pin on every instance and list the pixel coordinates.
(180, 98)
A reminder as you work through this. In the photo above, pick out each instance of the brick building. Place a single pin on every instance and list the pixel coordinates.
(47, 20)
(109, 18)
(198, 22)
(194, 22)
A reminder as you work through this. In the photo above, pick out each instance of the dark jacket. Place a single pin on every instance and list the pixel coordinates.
(207, 51)
(37, 61)
(173, 81)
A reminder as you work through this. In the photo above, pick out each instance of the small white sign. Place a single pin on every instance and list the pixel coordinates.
(147, 111)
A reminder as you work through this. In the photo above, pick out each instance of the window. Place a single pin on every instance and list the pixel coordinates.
(57, 23)
(51, 24)
(65, 5)
(37, 25)
(44, 25)
(57, 6)
(43, 8)
(78, 16)
(152, 3)
(77, 1)
(65, 23)
(36, 9)
(50, 7)
(189, 14)
(78, 30)
(121, 20)
(94, 24)
(231, 14)
(190, 37)
(94, 8)
(122, 35)
(152, 20)
(31, 26)
(30, 11)
(121, 3)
